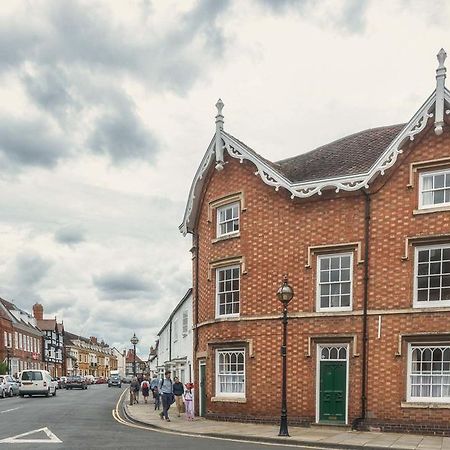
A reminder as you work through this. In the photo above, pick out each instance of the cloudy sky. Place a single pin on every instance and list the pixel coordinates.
(108, 106)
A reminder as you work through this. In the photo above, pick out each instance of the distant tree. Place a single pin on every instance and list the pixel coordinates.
(3, 368)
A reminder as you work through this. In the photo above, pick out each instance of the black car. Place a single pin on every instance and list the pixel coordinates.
(76, 382)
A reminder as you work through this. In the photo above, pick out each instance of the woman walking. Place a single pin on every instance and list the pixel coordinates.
(178, 391)
(145, 388)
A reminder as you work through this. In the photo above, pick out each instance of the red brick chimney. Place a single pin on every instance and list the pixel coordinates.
(38, 311)
(93, 339)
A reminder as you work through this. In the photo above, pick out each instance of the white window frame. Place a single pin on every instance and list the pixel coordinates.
(238, 218)
(409, 397)
(333, 308)
(230, 394)
(427, 304)
(432, 174)
(218, 269)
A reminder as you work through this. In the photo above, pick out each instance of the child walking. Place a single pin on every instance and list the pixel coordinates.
(188, 401)
(156, 398)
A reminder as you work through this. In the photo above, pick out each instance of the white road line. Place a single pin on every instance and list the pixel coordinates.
(52, 439)
(8, 410)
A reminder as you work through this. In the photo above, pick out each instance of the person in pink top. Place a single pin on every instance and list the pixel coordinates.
(188, 401)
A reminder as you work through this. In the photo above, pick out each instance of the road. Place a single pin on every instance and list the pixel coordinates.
(83, 420)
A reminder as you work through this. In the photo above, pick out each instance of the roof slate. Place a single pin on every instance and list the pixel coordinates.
(350, 155)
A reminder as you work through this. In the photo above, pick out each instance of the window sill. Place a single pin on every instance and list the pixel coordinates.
(425, 405)
(229, 399)
(333, 310)
(226, 237)
(430, 305)
(431, 210)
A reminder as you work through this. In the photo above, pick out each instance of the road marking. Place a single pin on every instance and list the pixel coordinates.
(52, 439)
(118, 418)
(8, 410)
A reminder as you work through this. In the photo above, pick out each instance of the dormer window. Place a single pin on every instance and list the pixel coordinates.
(228, 219)
(434, 189)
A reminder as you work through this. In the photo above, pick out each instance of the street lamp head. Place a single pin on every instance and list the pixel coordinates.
(285, 293)
(134, 340)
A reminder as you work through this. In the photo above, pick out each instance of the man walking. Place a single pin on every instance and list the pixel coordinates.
(166, 390)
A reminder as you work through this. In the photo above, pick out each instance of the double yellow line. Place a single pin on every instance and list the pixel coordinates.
(118, 418)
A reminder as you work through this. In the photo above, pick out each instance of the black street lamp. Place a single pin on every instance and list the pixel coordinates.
(134, 340)
(284, 294)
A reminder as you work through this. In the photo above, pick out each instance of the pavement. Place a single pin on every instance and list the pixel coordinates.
(316, 436)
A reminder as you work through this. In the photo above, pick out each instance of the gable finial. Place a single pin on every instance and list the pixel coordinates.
(440, 88)
(219, 128)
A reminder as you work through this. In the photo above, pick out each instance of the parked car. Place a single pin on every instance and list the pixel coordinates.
(127, 379)
(55, 382)
(62, 382)
(36, 382)
(3, 387)
(100, 380)
(90, 379)
(12, 385)
(76, 382)
(114, 380)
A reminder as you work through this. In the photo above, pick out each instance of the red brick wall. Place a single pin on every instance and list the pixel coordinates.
(274, 238)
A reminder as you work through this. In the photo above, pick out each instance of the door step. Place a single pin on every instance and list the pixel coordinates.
(332, 426)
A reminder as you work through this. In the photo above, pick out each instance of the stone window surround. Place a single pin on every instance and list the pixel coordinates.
(210, 354)
(417, 167)
(421, 338)
(236, 197)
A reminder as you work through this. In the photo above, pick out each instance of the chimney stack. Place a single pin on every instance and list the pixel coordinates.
(38, 311)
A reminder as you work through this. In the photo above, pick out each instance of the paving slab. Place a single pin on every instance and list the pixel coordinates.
(315, 436)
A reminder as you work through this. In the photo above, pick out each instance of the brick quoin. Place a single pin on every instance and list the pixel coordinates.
(275, 234)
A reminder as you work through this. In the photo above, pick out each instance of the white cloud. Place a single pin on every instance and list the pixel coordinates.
(109, 106)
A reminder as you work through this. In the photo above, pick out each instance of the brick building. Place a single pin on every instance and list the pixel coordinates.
(22, 343)
(362, 228)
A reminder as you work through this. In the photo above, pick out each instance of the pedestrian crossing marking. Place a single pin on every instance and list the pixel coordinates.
(19, 439)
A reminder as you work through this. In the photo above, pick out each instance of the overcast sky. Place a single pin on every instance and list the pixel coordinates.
(108, 106)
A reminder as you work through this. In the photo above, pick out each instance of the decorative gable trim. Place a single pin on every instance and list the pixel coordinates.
(437, 103)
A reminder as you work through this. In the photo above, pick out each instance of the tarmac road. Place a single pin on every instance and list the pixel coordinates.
(77, 419)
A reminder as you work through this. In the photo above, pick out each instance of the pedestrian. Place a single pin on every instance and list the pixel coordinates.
(189, 401)
(156, 397)
(178, 391)
(166, 390)
(134, 387)
(154, 383)
(145, 388)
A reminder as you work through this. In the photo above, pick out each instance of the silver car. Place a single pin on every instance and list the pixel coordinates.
(9, 386)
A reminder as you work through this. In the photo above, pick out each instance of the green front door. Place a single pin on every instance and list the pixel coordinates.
(202, 383)
(332, 400)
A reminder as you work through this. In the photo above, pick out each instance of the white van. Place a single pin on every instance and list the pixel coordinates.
(36, 382)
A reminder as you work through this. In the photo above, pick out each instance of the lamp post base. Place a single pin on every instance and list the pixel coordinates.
(283, 427)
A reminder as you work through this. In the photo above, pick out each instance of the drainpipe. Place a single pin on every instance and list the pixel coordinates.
(367, 211)
(170, 340)
(195, 249)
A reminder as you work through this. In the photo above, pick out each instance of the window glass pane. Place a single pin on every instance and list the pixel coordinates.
(438, 181)
(424, 255)
(422, 282)
(345, 262)
(427, 183)
(324, 264)
(435, 254)
(324, 277)
(427, 198)
(439, 196)
(423, 269)
(335, 263)
(334, 275)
